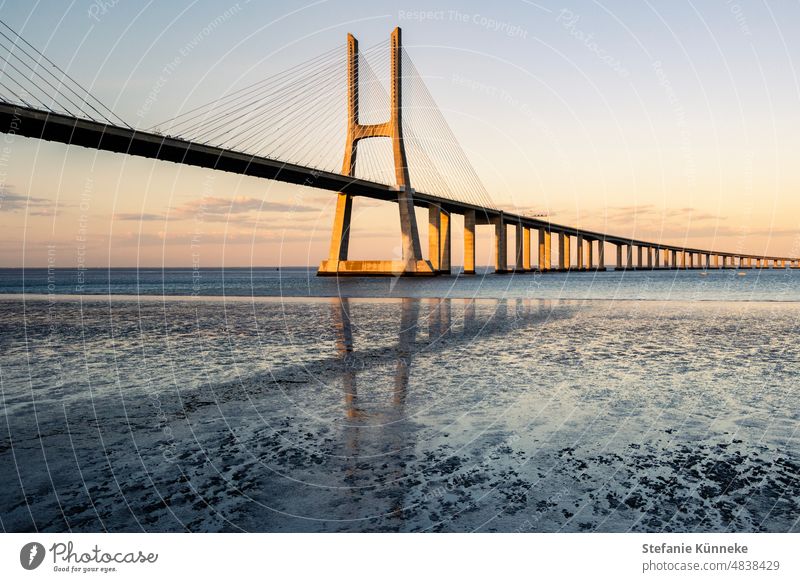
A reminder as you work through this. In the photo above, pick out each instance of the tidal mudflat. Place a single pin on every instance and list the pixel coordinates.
(399, 415)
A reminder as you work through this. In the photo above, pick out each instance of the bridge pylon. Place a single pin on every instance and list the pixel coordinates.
(412, 262)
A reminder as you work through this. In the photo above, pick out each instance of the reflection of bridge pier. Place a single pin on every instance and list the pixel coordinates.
(385, 433)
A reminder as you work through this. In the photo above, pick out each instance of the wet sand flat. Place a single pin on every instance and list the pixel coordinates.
(399, 415)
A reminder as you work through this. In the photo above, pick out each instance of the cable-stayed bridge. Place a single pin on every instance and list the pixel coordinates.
(331, 123)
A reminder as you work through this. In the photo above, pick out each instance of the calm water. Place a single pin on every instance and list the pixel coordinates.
(729, 285)
(526, 409)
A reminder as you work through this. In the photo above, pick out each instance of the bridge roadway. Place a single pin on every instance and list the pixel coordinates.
(37, 124)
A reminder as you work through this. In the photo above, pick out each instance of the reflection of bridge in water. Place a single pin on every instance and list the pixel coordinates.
(388, 429)
(290, 126)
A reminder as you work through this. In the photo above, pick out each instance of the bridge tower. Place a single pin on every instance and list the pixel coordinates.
(412, 262)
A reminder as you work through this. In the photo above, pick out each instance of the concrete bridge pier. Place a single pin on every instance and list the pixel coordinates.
(439, 229)
(601, 255)
(639, 262)
(579, 253)
(563, 252)
(519, 248)
(619, 266)
(523, 249)
(527, 263)
(629, 258)
(589, 254)
(469, 242)
(545, 257)
(412, 262)
(500, 245)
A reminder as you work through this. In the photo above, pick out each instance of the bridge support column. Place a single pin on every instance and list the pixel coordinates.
(544, 249)
(563, 251)
(519, 248)
(601, 255)
(589, 254)
(439, 239)
(340, 237)
(629, 249)
(580, 251)
(526, 249)
(620, 266)
(469, 242)
(412, 262)
(500, 245)
(639, 261)
(649, 257)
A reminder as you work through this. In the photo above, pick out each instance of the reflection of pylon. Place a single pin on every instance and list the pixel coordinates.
(412, 261)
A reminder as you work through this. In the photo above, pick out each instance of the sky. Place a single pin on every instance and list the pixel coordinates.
(672, 121)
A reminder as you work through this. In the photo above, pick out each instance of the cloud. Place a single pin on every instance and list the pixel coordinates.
(652, 213)
(241, 210)
(138, 216)
(127, 239)
(35, 206)
(213, 207)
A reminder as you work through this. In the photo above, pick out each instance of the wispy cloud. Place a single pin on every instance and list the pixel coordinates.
(34, 205)
(138, 216)
(214, 206)
(242, 210)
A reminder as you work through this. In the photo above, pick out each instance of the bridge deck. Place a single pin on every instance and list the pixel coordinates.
(33, 123)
